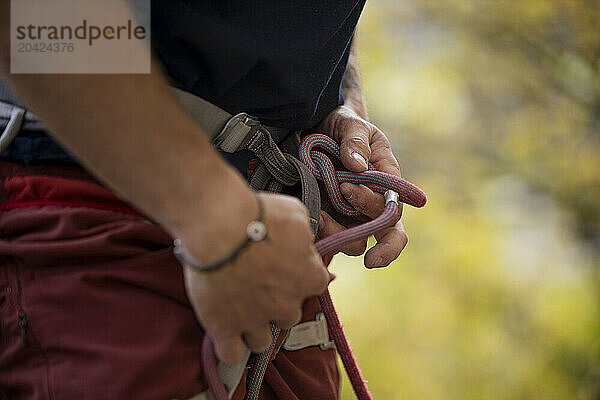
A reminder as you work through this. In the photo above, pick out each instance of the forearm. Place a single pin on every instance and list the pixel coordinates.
(352, 86)
(131, 133)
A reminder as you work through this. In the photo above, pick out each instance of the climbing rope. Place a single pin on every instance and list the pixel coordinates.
(321, 165)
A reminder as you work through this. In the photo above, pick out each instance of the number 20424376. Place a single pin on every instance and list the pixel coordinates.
(42, 47)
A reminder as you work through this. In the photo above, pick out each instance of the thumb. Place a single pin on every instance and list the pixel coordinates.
(355, 149)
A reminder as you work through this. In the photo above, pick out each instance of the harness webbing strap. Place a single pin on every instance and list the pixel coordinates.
(7, 109)
(239, 132)
(16, 115)
(310, 194)
(226, 131)
(260, 177)
(210, 117)
(262, 144)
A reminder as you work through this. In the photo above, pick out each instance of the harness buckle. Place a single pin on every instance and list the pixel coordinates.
(311, 333)
(234, 132)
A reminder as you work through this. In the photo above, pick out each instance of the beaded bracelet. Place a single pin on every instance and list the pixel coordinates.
(255, 231)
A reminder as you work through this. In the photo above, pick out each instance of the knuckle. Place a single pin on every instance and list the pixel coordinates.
(297, 203)
(359, 140)
(218, 329)
(403, 240)
(292, 204)
(318, 282)
(302, 210)
(259, 347)
(229, 351)
(311, 287)
(360, 201)
(385, 142)
(304, 232)
(259, 339)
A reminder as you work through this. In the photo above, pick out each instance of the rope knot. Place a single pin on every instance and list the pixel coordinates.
(322, 167)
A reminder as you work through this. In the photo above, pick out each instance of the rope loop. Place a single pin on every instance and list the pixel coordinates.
(322, 167)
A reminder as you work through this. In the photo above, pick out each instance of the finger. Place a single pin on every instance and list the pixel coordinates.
(363, 199)
(382, 156)
(346, 220)
(355, 149)
(390, 244)
(229, 348)
(259, 338)
(383, 159)
(328, 226)
(317, 277)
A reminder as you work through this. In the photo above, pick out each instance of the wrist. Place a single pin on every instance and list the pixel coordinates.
(353, 100)
(255, 231)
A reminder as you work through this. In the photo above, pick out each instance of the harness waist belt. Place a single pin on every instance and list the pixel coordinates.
(225, 130)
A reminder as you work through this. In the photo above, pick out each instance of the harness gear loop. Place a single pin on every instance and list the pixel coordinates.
(311, 333)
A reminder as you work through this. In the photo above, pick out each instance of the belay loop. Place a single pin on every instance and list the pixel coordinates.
(322, 168)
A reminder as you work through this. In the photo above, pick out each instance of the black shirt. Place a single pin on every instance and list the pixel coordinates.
(279, 60)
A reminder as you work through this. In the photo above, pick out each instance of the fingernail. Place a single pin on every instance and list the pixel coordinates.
(358, 157)
(346, 189)
(321, 220)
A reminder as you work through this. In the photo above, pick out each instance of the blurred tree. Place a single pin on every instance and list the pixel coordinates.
(493, 107)
(556, 47)
(525, 74)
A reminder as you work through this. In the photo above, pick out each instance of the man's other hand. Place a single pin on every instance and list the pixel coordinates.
(362, 142)
(267, 283)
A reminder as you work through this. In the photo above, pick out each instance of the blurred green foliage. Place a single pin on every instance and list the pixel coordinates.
(493, 108)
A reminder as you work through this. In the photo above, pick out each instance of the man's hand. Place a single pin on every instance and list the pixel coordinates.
(267, 283)
(360, 143)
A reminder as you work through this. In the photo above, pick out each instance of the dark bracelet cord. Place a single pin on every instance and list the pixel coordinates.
(255, 231)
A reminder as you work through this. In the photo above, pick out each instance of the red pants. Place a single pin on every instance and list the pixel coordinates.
(93, 306)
